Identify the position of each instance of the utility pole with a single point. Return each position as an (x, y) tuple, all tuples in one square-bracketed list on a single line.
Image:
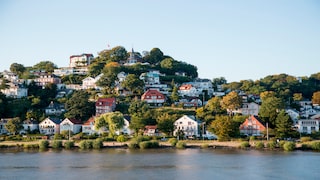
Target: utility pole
[(267, 132)]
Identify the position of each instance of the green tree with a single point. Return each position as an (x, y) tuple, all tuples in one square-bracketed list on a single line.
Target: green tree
[(14, 125), (118, 54), (166, 123), (224, 127), (79, 107), (174, 95), (283, 125), (269, 110), (316, 97), (154, 57), (231, 101), (133, 84), (109, 77), (210, 110), (17, 68), (113, 121), (297, 96), (3, 84), (3, 105), (48, 66)]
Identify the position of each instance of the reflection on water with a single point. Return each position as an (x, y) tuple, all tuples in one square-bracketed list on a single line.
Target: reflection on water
[(159, 164)]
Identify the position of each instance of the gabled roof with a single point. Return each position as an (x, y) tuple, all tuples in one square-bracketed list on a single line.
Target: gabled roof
[(74, 121), (185, 87), (152, 92), (54, 120), (257, 120), (89, 121)]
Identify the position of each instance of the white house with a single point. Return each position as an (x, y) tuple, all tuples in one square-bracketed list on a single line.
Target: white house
[(72, 125), (125, 129), (80, 60), (294, 115), (251, 108), (88, 126), (188, 90), (50, 126), (154, 97), (308, 125), (188, 125), (30, 125), (90, 82), (15, 90), (3, 123), (151, 77)]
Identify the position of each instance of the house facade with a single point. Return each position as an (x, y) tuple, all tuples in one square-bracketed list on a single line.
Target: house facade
[(15, 90), (126, 127), (55, 109), (308, 126), (251, 108), (252, 126), (189, 125), (30, 125), (3, 123), (90, 82), (50, 126), (81, 60), (72, 125), (45, 79), (151, 130), (88, 126), (105, 105), (153, 97)]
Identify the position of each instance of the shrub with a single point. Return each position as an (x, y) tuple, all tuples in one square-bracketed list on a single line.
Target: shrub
[(85, 144), (181, 145), (121, 138), (145, 144), (68, 144), (305, 139), (259, 145), (271, 144), (305, 147), (315, 146), (252, 138), (289, 146), (204, 146), (97, 144), (56, 144), (173, 141), (134, 144), (244, 145), (57, 137), (30, 146), (281, 144), (44, 144)]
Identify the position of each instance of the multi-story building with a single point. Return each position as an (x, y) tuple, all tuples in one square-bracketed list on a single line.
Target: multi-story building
[(82, 60)]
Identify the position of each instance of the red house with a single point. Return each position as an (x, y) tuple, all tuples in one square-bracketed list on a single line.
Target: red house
[(104, 105), (252, 126), (154, 97)]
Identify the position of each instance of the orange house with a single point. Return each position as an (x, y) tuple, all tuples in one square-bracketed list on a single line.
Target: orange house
[(252, 126)]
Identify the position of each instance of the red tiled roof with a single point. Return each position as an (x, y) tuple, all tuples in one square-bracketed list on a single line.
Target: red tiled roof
[(89, 121), (152, 92), (106, 102)]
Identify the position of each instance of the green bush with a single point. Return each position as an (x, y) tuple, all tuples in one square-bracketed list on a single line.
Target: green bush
[(259, 145), (289, 146), (305, 147), (244, 145), (30, 146), (271, 144), (204, 146), (181, 145), (56, 144), (68, 144), (252, 138), (281, 144), (134, 144), (57, 137), (97, 144), (173, 141), (44, 144), (85, 144), (305, 139), (315, 146), (121, 138)]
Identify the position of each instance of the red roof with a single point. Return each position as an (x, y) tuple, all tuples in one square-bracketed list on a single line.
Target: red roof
[(253, 120), (75, 121), (106, 102), (152, 93), (185, 87), (89, 121)]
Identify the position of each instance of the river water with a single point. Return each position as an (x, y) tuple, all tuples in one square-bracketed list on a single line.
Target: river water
[(159, 164)]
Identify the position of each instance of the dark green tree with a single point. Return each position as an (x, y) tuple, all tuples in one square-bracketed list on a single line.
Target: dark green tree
[(113, 121), (17, 68), (79, 107), (133, 84), (154, 57), (165, 123), (224, 127), (48, 66), (269, 110), (14, 125), (283, 125)]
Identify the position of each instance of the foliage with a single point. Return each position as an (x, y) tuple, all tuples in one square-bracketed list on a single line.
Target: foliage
[(231, 101), (14, 125), (259, 145), (79, 107), (148, 144), (154, 57), (97, 144), (133, 84), (244, 145), (283, 125), (56, 144), (30, 146), (211, 109), (224, 127), (68, 144), (269, 110), (289, 146), (44, 144), (86, 144), (271, 144), (173, 141), (316, 98), (17, 68), (204, 146), (315, 146), (72, 79), (121, 138), (165, 123), (181, 145), (113, 121), (48, 66)]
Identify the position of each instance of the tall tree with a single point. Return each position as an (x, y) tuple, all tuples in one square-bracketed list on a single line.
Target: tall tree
[(269, 110), (231, 101), (133, 84), (155, 56), (316, 97), (113, 121), (224, 127), (174, 95), (17, 68), (283, 125), (166, 123), (14, 125), (48, 66), (79, 107)]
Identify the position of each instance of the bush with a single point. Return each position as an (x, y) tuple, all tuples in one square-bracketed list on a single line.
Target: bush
[(68, 144), (173, 141), (56, 144), (134, 144), (181, 145), (121, 138), (271, 144), (30, 146), (281, 144), (305, 147), (305, 139), (97, 144), (85, 144), (259, 145), (44, 144), (244, 145), (57, 137), (315, 146), (252, 138), (204, 146), (289, 146)]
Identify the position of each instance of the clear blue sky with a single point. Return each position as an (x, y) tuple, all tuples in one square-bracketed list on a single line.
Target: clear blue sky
[(238, 40)]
